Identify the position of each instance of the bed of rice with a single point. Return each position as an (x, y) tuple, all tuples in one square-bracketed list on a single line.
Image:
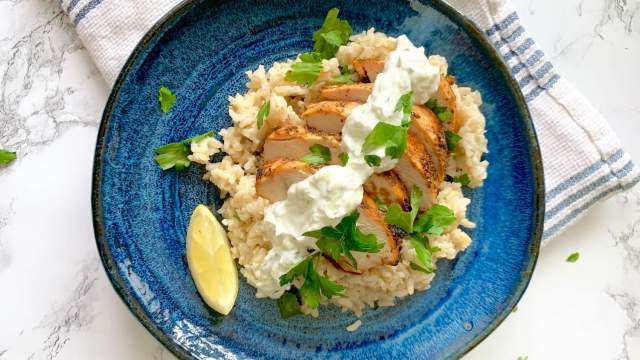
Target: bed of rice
[(243, 210)]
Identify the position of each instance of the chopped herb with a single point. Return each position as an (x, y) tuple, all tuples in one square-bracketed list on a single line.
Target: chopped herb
[(166, 99), (435, 220), (176, 154), (314, 283), (461, 179), (304, 73), (442, 112), (404, 104), (344, 158), (288, 305), (392, 137), (522, 358), (262, 113), (333, 33), (423, 254), (452, 139), (338, 242), (344, 78), (7, 156), (319, 155), (310, 57), (404, 219), (372, 160), (382, 206), (573, 257)]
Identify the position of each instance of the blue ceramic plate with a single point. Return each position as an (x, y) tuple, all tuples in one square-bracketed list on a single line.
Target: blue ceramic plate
[(201, 51)]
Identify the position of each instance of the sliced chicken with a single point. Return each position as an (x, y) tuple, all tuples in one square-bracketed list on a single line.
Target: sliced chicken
[(371, 221), (416, 168), (428, 129), (293, 142), (388, 188), (274, 177), (358, 92), (447, 98), (368, 69), (328, 116)]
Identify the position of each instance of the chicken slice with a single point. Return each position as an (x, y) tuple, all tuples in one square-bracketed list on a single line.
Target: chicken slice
[(274, 177), (328, 116), (447, 97), (416, 167), (428, 129), (368, 69), (371, 221), (388, 188), (358, 92), (293, 142)]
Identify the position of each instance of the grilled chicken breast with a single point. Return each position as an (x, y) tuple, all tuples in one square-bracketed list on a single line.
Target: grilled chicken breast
[(293, 142), (428, 129), (274, 177), (416, 168), (368, 69), (371, 221), (358, 92), (328, 116), (388, 187), (447, 97)]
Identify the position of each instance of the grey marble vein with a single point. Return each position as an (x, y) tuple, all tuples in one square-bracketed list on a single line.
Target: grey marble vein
[(631, 307), (5, 255), (620, 10)]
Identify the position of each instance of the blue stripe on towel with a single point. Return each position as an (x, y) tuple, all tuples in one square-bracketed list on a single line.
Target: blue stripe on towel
[(85, 11), (533, 94), (538, 75), (508, 21), (72, 6), (577, 211), (519, 50)]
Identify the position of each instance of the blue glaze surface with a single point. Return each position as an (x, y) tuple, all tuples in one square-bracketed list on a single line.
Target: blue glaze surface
[(201, 52)]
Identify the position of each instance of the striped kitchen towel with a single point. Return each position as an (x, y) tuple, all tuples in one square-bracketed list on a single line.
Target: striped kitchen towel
[(582, 157)]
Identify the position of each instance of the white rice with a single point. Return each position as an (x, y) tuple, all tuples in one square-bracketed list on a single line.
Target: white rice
[(243, 210)]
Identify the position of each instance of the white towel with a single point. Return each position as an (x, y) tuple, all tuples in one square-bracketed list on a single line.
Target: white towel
[(582, 158)]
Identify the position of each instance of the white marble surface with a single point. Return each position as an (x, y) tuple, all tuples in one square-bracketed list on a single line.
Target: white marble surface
[(56, 302)]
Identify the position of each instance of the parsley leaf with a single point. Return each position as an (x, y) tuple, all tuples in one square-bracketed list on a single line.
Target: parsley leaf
[(435, 220), (442, 112), (288, 305), (381, 205), (392, 137), (372, 160), (573, 257), (452, 139), (522, 358), (311, 57), (314, 283), (320, 155), (176, 154), (404, 219), (345, 237), (333, 33), (344, 77), (344, 158), (462, 179), (404, 104), (7, 156), (263, 112), (423, 254), (166, 99), (304, 73)]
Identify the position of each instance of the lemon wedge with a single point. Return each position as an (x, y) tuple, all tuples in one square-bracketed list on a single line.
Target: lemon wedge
[(209, 257)]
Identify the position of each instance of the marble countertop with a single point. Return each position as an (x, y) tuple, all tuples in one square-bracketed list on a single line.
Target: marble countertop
[(58, 304)]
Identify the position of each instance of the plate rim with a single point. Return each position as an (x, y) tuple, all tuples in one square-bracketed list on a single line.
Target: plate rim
[(164, 23)]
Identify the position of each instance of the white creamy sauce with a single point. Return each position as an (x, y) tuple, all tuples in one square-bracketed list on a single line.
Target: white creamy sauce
[(333, 192)]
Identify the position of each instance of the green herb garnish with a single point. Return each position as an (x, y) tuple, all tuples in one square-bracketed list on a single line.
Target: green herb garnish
[(262, 113), (452, 139), (573, 257), (522, 358), (442, 112), (392, 137), (304, 73), (166, 99), (338, 242), (319, 155), (382, 206), (435, 220), (333, 33), (7, 156), (343, 78), (404, 219), (372, 160), (314, 283), (288, 305), (424, 254), (404, 104), (344, 158), (461, 179), (176, 154)]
